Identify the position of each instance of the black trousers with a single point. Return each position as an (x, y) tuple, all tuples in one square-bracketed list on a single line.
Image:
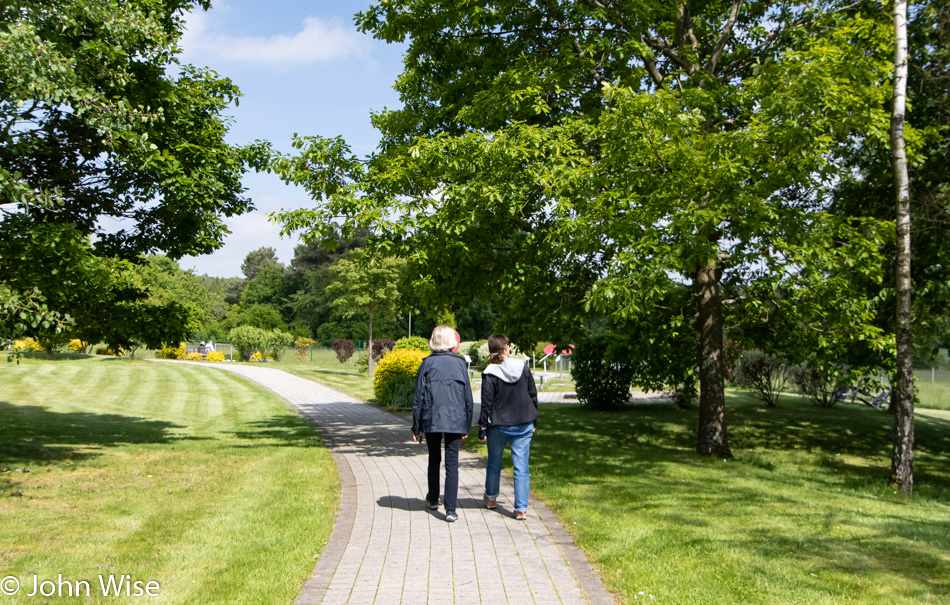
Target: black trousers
[(452, 443)]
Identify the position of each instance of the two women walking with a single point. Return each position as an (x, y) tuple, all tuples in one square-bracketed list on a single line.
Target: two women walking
[(442, 411)]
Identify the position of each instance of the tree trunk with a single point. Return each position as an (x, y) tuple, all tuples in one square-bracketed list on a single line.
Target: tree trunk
[(369, 349), (902, 458), (712, 439)]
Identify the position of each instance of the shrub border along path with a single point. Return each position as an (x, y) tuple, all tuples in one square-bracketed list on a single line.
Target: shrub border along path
[(387, 547)]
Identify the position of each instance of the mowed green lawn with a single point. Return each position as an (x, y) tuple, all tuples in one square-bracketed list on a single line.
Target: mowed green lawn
[(933, 395), (802, 513), (188, 476)]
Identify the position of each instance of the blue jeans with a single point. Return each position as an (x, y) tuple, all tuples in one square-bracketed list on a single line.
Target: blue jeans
[(519, 436)]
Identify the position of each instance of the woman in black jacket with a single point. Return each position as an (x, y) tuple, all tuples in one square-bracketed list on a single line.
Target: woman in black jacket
[(442, 409), (509, 415)]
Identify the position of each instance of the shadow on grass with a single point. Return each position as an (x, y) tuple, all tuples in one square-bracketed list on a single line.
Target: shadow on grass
[(41, 356), (32, 434), (350, 373), (286, 430), (798, 481)]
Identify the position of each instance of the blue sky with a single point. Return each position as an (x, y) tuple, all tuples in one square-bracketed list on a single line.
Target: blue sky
[(302, 67)]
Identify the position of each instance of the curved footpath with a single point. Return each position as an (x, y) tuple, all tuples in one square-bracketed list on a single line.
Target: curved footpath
[(386, 547)]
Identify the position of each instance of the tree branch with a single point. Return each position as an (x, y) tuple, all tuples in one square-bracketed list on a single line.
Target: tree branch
[(724, 37)]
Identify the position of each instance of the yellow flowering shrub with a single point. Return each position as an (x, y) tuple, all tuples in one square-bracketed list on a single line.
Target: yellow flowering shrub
[(394, 382), (172, 352), (75, 345), (195, 357), (27, 344), (257, 357), (215, 356)]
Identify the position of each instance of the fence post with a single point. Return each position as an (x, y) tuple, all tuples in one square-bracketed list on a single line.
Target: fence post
[(933, 374)]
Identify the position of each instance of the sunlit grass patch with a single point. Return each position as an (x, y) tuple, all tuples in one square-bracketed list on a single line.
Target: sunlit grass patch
[(802, 513), (185, 475)]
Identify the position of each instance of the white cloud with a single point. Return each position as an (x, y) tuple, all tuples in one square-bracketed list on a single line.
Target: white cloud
[(248, 232), (318, 41)]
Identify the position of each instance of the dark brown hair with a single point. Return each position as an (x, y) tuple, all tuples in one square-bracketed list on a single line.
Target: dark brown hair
[(496, 347)]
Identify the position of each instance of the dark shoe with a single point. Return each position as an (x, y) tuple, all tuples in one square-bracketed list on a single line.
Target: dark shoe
[(432, 505), (451, 517), (490, 503), (521, 515)]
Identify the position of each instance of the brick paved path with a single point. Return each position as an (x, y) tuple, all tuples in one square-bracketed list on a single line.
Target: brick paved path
[(386, 547)]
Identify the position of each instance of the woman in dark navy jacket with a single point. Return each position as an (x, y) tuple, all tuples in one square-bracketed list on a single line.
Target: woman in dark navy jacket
[(442, 409)]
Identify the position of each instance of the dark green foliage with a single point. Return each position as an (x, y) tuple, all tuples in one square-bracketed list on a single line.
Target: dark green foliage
[(397, 391), (603, 382), (475, 320), (270, 286), (868, 188), (167, 283), (105, 297), (257, 260), (22, 312)]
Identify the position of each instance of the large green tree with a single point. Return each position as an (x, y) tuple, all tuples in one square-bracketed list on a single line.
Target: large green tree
[(106, 298), (166, 282), (567, 157), (104, 130)]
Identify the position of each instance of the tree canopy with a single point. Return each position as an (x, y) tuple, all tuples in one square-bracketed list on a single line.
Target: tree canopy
[(100, 120), (569, 157)]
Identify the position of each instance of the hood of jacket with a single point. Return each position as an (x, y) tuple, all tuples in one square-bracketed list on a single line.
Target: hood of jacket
[(509, 370)]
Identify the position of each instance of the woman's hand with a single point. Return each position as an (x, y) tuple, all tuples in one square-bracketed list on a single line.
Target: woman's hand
[(417, 437)]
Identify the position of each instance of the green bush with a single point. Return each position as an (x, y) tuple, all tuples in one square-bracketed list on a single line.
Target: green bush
[(412, 343), (397, 392), (276, 342), (248, 340), (821, 384), (603, 383), (474, 351), (765, 375)]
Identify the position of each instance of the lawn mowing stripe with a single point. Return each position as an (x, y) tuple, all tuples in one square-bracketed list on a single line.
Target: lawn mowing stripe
[(248, 483)]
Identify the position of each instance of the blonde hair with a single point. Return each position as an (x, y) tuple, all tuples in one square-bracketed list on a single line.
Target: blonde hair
[(443, 339)]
